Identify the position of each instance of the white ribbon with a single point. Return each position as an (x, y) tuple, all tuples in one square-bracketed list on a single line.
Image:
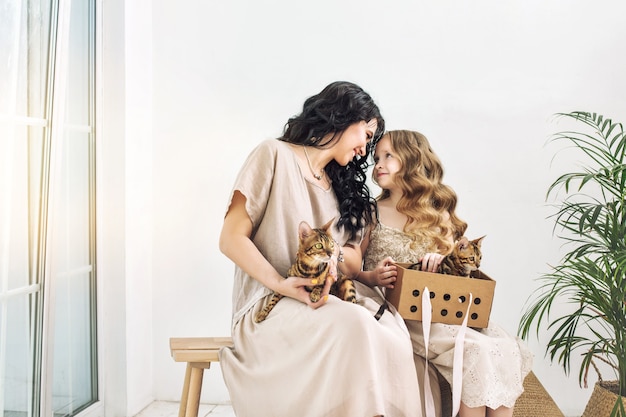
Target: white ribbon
[(457, 367), (427, 315)]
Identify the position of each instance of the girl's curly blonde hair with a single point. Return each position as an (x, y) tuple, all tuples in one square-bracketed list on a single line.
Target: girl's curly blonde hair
[(427, 202)]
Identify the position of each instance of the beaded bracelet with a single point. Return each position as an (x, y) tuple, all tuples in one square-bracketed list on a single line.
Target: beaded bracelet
[(340, 256)]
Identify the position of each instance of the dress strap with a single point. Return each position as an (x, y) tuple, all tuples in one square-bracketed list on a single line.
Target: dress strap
[(384, 306)]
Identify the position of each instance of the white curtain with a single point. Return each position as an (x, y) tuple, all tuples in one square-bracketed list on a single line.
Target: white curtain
[(47, 281)]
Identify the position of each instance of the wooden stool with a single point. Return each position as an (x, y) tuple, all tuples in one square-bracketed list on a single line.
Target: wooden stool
[(198, 352)]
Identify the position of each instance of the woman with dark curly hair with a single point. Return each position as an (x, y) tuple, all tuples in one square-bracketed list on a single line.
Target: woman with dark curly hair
[(328, 358), (418, 223)]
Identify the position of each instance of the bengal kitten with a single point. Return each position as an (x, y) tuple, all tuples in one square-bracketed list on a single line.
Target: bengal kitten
[(464, 259), (312, 261)]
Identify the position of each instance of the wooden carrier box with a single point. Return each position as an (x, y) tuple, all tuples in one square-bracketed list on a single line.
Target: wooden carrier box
[(449, 296)]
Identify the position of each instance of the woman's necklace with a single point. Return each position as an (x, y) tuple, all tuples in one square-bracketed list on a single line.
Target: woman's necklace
[(316, 176)]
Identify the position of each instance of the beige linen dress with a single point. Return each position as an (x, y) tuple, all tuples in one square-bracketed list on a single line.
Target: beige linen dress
[(494, 362), (334, 361)]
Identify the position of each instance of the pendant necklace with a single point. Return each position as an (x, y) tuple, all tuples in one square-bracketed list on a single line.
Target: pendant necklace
[(316, 176)]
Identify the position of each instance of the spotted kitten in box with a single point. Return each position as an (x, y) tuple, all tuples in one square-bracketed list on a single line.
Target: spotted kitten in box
[(464, 259)]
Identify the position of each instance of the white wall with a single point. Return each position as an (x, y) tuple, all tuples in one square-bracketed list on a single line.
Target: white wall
[(111, 219), (139, 203), (124, 211), (481, 79)]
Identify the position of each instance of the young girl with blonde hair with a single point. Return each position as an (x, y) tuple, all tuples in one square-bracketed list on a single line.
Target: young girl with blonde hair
[(417, 222)]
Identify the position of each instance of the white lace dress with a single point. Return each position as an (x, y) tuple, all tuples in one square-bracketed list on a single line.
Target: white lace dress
[(494, 362)]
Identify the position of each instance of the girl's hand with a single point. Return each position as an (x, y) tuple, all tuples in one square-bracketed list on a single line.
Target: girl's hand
[(385, 273), (431, 261)]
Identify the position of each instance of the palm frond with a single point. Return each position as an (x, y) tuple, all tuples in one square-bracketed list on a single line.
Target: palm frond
[(591, 276)]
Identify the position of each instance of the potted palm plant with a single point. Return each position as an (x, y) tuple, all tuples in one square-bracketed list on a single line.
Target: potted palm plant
[(589, 283)]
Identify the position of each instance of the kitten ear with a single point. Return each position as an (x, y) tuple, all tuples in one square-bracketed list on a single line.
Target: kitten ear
[(304, 229), (478, 241), (326, 227), (462, 243)]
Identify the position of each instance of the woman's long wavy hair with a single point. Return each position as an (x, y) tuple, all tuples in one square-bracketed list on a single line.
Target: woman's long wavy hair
[(426, 200), (332, 111)]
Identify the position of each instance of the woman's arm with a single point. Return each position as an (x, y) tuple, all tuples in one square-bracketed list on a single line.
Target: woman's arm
[(236, 244), (384, 275), (351, 264)]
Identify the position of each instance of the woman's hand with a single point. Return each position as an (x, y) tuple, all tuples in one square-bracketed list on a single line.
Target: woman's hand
[(431, 261), (294, 287)]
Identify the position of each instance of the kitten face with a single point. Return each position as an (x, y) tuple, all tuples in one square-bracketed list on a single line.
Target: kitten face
[(468, 253), (318, 244)]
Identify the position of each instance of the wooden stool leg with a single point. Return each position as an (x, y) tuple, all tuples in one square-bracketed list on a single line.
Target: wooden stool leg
[(183, 398), (198, 353), (195, 387)]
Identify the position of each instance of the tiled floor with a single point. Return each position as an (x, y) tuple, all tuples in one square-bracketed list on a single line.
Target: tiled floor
[(170, 409)]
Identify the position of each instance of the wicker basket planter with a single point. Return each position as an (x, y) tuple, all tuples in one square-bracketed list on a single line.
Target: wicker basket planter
[(603, 399), (535, 401)]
